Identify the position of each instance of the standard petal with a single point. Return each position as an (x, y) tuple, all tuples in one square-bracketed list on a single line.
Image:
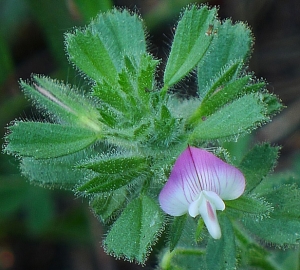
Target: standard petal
[(216, 175), (196, 170), (183, 186)]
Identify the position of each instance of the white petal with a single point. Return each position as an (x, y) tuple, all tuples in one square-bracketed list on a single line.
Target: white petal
[(194, 206), (214, 199), (208, 213), (206, 205)]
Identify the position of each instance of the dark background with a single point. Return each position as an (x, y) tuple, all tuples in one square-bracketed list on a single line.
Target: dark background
[(42, 229)]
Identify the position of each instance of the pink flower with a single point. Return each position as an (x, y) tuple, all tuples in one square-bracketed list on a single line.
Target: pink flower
[(198, 184)]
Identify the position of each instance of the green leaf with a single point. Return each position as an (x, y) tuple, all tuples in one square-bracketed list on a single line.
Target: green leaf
[(231, 43), (222, 96), (45, 140), (253, 207), (176, 230), (225, 75), (112, 97), (63, 103), (274, 105), (257, 163), (100, 50), (285, 200), (238, 117), (221, 253), (183, 258), (107, 206), (283, 226), (123, 35), (48, 172), (138, 227), (190, 43), (88, 52), (146, 79), (114, 171)]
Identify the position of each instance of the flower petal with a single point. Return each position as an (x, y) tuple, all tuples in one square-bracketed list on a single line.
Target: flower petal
[(207, 210), (216, 175), (196, 170)]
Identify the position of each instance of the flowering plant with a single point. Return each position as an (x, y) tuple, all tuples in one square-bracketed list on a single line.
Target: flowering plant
[(119, 142)]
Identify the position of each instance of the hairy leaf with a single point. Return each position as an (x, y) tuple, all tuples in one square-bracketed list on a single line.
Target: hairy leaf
[(221, 253), (48, 172), (142, 220), (45, 140), (230, 43), (238, 117), (176, 230), (62, 102), (190, 43), (106, 206), (114, 171), (257, 163), (254, 207)]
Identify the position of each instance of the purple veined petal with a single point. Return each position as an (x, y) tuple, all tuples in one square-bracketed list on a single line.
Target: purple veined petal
[(182, 187), (196, 170), (216, 175)]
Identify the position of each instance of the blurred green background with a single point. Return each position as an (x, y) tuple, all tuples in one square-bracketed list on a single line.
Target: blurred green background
[(52, 229)]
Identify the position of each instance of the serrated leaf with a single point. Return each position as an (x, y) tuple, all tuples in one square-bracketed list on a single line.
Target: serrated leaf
[(257, 163), (114, 172), (285, 200), (132, 235), (87, 51), (123, 34), (274, 105), (238, 117), (107, 183), (48, 172), (223, 89), (283, 225), (107, 206), (145, 78), (190, 43), (278, 230), (221, 253), (99, 50), (112, 97), (114, 164), (45, 140), (254, 207), (225, 75), (230, 43), (222, 96), (62, 102)]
